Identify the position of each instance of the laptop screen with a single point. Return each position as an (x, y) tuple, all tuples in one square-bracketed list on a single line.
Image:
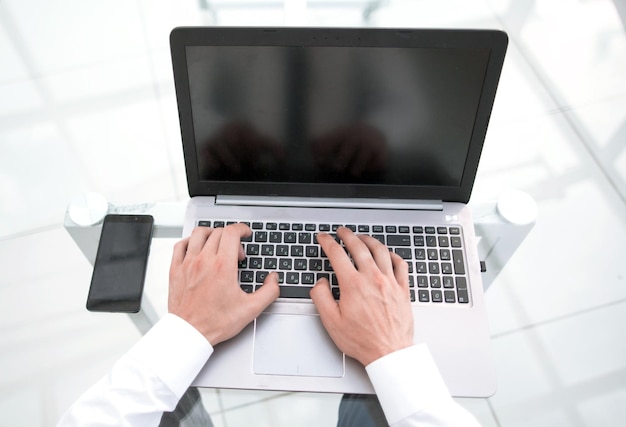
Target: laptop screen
[(355, 118)]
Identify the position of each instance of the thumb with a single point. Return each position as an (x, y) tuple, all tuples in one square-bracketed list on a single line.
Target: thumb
[(325, 302), (266, 294)]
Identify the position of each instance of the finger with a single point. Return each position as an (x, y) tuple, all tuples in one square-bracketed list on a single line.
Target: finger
[(180, 250), (379, 252), (230, 243), (213, 242), (198, 239), (336, 254), (359, 252), (400, 270), (325, 303), (264, 296)]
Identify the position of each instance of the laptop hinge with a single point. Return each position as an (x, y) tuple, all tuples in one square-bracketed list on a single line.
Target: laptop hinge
[(329, 202)]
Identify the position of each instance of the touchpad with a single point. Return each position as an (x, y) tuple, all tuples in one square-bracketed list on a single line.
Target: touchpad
[(295, 344)]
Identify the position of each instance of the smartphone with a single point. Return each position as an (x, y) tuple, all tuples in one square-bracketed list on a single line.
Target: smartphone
[(120, 267)]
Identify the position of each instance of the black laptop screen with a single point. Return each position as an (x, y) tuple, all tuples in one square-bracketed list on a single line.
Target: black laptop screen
[(361, 115), (331, 112)]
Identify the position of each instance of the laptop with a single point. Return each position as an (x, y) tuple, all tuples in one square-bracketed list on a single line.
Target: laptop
[(297, 131)]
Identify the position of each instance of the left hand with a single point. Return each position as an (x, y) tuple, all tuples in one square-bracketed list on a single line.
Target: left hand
[(204, 287)]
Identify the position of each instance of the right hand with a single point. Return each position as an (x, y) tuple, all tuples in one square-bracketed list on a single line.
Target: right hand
[(373, 317)]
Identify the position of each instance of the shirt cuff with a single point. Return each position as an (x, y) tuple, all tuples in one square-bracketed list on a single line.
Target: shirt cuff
[(407, 382), (174, 351)]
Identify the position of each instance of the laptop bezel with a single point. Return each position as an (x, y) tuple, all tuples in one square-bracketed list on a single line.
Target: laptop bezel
[(181, 37)]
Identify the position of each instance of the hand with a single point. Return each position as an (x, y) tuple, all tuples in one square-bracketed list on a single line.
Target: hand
[(204, 288), (373, 316)]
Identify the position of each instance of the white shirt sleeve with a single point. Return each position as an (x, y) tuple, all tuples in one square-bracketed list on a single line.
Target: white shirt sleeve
[(142, 384), (412, 392)]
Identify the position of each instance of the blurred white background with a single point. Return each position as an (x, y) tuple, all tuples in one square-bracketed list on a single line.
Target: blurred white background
[(87, 103)]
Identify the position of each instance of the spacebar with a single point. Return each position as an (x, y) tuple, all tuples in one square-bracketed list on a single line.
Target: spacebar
[(295, 291)]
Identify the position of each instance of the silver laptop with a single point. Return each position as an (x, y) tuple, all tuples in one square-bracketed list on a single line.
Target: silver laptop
[(300, 131)]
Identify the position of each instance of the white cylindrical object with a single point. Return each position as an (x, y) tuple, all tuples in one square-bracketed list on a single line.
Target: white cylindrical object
[(88, 209)]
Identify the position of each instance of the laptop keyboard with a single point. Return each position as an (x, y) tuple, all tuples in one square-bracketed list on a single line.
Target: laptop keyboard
[(435, 255)]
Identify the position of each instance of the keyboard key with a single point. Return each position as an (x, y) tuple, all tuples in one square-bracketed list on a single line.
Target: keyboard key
[(203, 223), (308, 278), (270, 263), (457, 259), (297, 251), (364, 228), (276, 237), (444, 254), (455, 242), (446, 268), (284, 226), (422, 281), (247, 276), (315, 265), (255, 263), (292, 278), (432, 254), (436, 295), (260, 236), (312, 251), (418, 229), (420, 267), (297, 227), (431, 241), (429, 230), (442, 230), (294, 291), (404, 229), (289, 237), (310, 227), (455, 230), (324, 227), (398, 240), (304, 238), (267, 250), (405, 253), (423, 295), (378, 228), (257, 226), (285, 263), (435, 281), (218, 224), (282, 250), (299, 264), (252, 249), (433, 267), (420, 254), (448, 282), (271, 226), (391, 229), (443, 241), (449, 296), (247, 288), (418, 240)]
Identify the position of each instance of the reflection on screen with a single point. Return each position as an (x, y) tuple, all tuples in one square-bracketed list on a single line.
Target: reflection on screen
[(400, 116)]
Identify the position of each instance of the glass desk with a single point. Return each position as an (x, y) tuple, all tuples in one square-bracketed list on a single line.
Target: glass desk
[(500, 225)]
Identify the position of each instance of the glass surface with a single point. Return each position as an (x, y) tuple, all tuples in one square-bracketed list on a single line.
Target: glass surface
[(400, 116)]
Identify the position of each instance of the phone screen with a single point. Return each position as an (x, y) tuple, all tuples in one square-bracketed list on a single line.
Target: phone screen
[(120, 267)]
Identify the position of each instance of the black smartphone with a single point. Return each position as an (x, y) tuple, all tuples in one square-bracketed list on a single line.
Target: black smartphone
[(120, 267)]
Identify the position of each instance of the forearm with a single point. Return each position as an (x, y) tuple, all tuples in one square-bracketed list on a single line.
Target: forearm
[(412, 392), (147, 381)]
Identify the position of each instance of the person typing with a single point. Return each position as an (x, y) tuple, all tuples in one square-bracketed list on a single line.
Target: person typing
[(371, 322)]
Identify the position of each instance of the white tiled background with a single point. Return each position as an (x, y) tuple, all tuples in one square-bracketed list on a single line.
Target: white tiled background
[(87, 103)]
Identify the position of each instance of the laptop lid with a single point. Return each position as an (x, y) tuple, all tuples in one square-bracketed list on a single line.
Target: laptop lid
[(345, 113)]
